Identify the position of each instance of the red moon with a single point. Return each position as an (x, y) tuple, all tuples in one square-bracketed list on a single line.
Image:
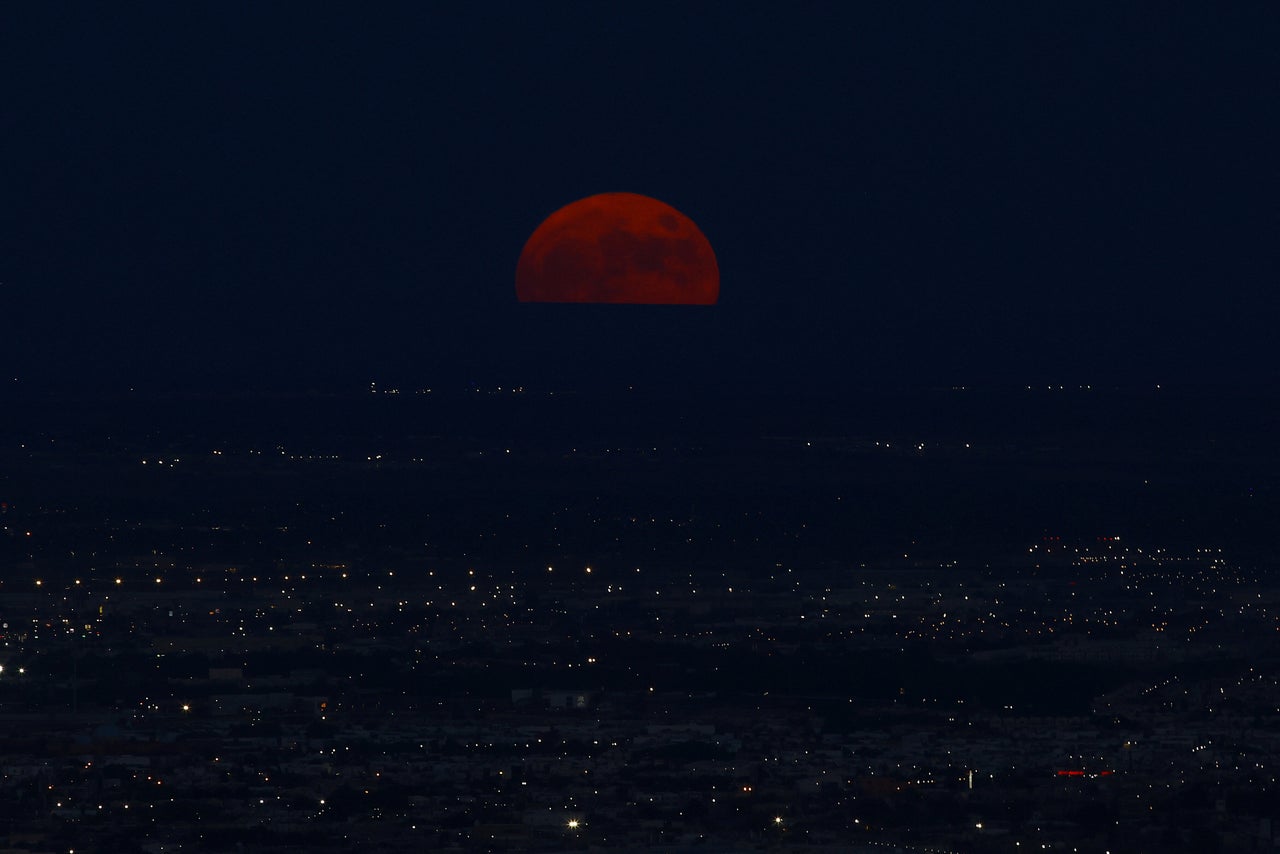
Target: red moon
[(618, 248)]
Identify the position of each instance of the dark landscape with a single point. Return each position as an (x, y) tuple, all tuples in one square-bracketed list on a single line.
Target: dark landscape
[(508, 619)]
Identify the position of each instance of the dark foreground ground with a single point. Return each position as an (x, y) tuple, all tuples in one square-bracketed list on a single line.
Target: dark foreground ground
[(510, 620)]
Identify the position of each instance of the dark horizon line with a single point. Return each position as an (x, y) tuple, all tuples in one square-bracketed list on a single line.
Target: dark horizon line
[(18, 389)]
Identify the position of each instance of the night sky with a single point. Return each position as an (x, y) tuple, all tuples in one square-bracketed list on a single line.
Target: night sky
[(304, 197)]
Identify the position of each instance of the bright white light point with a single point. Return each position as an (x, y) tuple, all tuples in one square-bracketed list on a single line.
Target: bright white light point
[(777, 819), (573, 824)]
